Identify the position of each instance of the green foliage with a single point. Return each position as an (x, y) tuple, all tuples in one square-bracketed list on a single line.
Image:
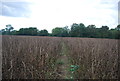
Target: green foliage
[(9, 27), (118, 27), (7, 30), (14, 32), (113, 33), (60, 32), (43, 33), (28, 31), (76, 30), (91, 31)]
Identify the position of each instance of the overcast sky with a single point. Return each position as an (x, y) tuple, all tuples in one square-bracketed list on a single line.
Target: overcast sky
[(48, 14)]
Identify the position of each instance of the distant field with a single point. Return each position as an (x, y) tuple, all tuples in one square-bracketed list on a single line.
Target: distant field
[(35, 57)]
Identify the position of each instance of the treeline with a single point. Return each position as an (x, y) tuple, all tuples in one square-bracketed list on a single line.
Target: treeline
[(76, 30)]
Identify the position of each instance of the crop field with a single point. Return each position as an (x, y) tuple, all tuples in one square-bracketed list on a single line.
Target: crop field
[(35, 57)]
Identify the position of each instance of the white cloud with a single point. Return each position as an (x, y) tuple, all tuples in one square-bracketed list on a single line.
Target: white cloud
[(47, 14)]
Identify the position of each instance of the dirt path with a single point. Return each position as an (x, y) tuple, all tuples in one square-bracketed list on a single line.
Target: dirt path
[(64, 64)]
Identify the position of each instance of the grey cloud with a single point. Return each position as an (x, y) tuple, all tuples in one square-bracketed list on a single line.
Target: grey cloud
[(15, 9)]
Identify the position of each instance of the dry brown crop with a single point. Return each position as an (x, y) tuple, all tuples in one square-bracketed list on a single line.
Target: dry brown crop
[(97, 58), (34, 57), (27, 57)]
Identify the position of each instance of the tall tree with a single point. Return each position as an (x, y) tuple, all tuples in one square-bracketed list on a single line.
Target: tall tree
[(91, 31), (8, 29), (28, 31), (82, 30), (75, 30), (60, 32), (43, 32), (104, 31)]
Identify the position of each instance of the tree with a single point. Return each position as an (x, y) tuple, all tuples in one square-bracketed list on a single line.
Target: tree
[(118, 27), (57, 31), (28, 31), (65, 32), (118, 31), (91, 31), (75, 30), (91, 26), (82, 30), (2, 31), (43, 32), (8, 29), (60, 32), (33, 30), (113, 33), (15, 32), (78, 30), (104, 30)]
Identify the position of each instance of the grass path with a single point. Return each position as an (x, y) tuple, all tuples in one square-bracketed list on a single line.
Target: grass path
[(64, 63)]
